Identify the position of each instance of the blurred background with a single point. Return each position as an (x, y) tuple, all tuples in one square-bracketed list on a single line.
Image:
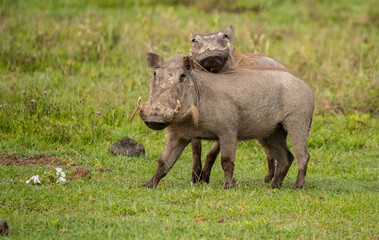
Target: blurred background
[(89, 56), (71, 72)]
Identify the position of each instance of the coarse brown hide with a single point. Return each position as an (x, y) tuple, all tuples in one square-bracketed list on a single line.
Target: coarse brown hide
[(266, 106), (214, 52)]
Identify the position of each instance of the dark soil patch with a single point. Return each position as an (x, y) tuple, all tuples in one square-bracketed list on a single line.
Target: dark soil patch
[(4, 230), (79, 173), (128, 147), (102, 170), (255, 9), (13, 160)]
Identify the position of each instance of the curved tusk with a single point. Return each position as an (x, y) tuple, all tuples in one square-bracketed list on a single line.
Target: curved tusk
[(134, 113), (228, 45), (139, 106), (139, 103), (177, 106)]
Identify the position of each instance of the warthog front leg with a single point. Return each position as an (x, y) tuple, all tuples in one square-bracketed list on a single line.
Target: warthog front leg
[(171, 153), (228, 146), (196, 155)]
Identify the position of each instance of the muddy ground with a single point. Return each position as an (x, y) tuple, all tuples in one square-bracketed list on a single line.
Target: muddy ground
[(13, 160), (77, 173)]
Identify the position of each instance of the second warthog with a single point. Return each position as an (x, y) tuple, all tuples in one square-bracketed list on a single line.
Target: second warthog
[(266, 105), (215, 53)]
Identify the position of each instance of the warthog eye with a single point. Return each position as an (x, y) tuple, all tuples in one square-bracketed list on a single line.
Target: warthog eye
[(193, 40), (182, 76), (226, 36), (155, 73)]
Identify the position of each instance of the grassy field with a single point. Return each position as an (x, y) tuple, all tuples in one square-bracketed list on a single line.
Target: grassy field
[(70, 75)]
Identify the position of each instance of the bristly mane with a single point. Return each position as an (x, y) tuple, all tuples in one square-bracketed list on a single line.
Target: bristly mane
[(197, 88), (205, 34), (245, 63)]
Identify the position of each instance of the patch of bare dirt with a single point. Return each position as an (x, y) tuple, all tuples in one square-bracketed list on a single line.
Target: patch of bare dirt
[(13, 160), (4, 230), (102, 170), (79, 173)]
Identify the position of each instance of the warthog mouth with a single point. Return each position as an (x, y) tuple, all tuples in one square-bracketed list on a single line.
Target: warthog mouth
[(157, 121), (156, 125), (212, 61)]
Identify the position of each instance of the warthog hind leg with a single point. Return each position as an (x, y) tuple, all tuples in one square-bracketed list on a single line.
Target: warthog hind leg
[(298, 133), (209, 161), (270, 162), (276, 146), (271, 169)]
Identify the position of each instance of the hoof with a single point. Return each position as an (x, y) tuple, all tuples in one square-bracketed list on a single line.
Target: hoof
[(268, 178), (204, 177), (148, 184), (298, 187), (300, 184), (276, 185), (195, 179), (230, 185)]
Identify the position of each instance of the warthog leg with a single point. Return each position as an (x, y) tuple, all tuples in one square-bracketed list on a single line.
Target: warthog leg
[(271, 169), (228, 144), (212, 156), (196, 155), (276, 146), (270, 163), (171, 153), (298, 132), (209, 161)]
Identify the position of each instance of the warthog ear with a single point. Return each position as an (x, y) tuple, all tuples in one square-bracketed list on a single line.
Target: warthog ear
[(153, 60), (192, 36), (188, 62), (230, 32)]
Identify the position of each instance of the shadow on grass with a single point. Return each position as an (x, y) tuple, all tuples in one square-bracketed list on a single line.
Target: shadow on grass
[(342, 185), (321, 184)]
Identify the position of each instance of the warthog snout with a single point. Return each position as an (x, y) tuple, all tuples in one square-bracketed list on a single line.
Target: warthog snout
[(158, 116), (155, 123), (213, 61)]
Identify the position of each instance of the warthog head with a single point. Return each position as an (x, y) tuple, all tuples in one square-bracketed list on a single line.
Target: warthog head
[(212, 50), (172, 92)]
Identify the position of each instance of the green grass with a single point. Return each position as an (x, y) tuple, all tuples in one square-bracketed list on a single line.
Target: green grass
[(89, 57)]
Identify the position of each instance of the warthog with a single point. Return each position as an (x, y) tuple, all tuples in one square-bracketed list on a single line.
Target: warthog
[(192, 104), (215, 53)]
